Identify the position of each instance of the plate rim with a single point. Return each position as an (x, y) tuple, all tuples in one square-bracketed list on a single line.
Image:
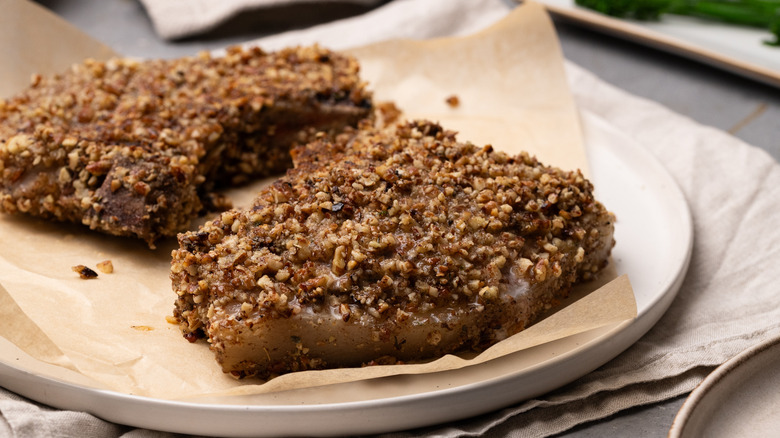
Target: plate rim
[(626, 333), (632, 31), (711, 381)]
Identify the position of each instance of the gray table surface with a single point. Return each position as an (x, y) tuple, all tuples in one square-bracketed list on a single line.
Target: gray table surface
[(747, 109)]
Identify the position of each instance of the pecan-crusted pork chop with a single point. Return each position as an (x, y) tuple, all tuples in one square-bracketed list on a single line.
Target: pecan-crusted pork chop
[(135, 148), (402, 244)]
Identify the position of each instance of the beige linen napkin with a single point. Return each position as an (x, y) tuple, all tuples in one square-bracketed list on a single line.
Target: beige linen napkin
[(728, 302), (182, 18)]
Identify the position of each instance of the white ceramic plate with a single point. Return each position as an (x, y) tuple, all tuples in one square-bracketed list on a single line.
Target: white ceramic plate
[(737, 49), (739, 398), (654, 235)]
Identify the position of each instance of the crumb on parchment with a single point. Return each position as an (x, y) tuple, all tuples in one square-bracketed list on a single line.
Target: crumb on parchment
[(106, 267), (84, 272), (453, 101)]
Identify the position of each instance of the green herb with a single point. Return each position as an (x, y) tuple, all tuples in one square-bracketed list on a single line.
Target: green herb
[(756, 13)]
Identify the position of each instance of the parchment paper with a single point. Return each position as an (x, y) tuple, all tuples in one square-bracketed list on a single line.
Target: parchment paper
[(510, 83), (34, 40)]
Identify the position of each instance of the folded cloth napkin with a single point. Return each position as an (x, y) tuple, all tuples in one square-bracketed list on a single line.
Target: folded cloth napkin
[(728, 302), (174, 19)]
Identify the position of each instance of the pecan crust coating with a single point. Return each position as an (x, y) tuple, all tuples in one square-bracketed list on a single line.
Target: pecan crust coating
[(137, 148), (399, 243)]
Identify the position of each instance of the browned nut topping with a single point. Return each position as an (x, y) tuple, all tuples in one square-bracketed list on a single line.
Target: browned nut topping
[(138, 148), (401, 242), (453, 101)]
